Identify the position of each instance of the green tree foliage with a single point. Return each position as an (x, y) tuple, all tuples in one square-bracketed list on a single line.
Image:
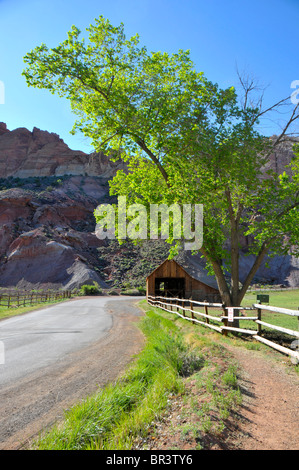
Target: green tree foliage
[(184, 139)]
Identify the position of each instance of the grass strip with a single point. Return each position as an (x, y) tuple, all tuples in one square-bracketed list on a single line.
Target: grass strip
[(118, 413)]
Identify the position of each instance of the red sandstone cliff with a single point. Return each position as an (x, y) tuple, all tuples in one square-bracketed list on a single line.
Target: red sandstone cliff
[(47, 228), (47, 224), (26, 154)]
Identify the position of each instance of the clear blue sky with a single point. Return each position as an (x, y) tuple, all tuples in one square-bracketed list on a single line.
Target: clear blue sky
[(258, 36)]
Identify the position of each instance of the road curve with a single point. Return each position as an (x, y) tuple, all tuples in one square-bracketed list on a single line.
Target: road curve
[(58, 355)]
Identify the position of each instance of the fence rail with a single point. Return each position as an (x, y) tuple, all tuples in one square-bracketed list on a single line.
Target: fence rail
[(228, 320), (13, 300), (270, 289)]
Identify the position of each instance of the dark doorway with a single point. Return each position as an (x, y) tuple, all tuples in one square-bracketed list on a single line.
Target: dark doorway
[(170, 287)]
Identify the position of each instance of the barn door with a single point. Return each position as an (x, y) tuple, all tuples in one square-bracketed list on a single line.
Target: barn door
[(170, 287)]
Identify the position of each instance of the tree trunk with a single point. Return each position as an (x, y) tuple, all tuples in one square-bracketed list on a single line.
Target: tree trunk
[(234, 264), (235, 254), (221, 282), (258, 261)]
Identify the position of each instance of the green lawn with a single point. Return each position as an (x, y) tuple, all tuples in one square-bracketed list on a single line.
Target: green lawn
[(284, 298)]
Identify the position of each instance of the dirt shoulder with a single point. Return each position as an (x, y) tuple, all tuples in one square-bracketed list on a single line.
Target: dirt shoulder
[(268, 418), (41, 398)]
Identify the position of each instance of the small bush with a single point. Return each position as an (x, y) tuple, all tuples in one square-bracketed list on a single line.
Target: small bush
[(112, 292), (130, 292), (87, 289), (230, 377)]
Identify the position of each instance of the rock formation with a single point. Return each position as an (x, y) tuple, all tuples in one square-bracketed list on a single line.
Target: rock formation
[(281, 157), (48, 194), (26, 154), (47, 239)]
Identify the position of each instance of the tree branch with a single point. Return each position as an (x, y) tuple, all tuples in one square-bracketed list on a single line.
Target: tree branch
[(153, 157)]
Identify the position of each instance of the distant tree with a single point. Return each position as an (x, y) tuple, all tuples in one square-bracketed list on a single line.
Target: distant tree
[(185, 140)]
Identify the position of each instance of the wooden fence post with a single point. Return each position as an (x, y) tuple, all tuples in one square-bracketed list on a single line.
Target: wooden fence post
[(206, 312), (192, 312), (225, 321), (259, 317)]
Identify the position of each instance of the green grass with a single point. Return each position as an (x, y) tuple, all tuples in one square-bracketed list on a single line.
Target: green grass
[(284, 298), (212, 397), (120, 412)]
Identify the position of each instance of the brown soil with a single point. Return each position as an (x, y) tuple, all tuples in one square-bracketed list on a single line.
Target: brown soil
[(41, 399), (268, 418), (270, 414)]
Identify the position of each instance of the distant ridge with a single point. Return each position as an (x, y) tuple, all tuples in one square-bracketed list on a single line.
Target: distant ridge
[(26, 154)]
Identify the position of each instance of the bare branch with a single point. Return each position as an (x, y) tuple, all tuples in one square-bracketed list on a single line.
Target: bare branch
[(249, 85)]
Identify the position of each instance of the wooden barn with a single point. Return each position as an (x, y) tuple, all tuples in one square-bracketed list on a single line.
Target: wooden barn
[(171, 279)]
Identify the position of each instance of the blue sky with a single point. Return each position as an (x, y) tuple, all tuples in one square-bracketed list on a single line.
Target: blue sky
[(260, 37)]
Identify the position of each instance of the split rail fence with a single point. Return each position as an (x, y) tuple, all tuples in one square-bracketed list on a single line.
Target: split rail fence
[(12, 300), (227, 319)]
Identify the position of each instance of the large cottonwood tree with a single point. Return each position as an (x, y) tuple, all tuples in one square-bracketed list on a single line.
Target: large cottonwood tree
[(185, 140)]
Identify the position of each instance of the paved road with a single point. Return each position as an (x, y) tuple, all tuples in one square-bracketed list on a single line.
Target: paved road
[(42, 337), (57, 355)]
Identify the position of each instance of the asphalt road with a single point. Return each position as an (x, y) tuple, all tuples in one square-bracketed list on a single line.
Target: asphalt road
[(56, 356), (39, 338)]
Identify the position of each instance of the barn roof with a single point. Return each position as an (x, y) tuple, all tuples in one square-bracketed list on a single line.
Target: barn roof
[(194, 267)]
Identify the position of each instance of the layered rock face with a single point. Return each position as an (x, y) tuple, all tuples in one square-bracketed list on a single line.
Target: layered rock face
[(47, 239), (47, 224), (281, 158), (47, 199), (26, 154)]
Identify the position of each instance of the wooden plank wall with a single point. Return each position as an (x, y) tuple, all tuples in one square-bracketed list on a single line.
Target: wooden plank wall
[(171, 269)]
